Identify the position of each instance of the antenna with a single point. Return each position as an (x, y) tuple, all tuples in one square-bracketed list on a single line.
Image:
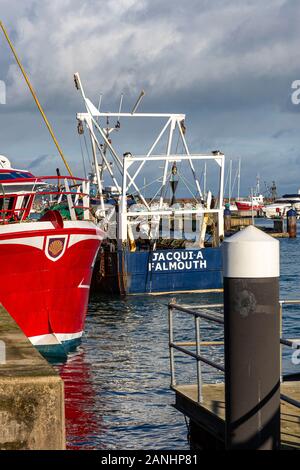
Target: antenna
[(239, 178), (117, 126), (100, 101), (142, 94), (99, 105)]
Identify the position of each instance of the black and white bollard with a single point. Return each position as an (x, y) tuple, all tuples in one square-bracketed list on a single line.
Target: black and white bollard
[(252, 340), (292, 223)]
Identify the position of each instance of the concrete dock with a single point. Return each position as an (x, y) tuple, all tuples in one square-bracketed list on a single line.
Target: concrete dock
[(208, 418), (31, 394)]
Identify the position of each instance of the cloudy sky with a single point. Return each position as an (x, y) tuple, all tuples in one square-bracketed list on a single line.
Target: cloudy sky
[(227, 64)]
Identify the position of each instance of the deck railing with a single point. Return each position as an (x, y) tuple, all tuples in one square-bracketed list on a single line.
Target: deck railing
[(207, 313), (16, 206)]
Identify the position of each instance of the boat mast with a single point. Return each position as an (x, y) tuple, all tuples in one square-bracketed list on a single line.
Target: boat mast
[(239, 180), (89, 122), (204, 181), (230, 182), (257, 184), (36, 99)]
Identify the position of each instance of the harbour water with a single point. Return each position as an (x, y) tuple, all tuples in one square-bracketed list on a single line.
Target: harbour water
[(117, 384)]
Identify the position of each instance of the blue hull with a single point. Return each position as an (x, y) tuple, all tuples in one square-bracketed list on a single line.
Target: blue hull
[(160, 271), (59, 351)]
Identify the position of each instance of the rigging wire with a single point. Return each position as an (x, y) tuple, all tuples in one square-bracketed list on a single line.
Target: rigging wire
[(187, 186), (149, 184), (82, 157), (159, 189), (87, 151)]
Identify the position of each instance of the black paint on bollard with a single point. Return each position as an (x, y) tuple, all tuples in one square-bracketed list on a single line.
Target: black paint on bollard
[(252, 340), (292, 223)]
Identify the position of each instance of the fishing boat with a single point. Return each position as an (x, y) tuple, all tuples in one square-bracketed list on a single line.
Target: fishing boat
[(255, 202), (48, 246), (46, 263), (155, 242)]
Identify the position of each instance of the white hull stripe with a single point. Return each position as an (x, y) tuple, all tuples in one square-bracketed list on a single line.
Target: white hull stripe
[(54, 338), (78, 238), (83, 286), (38, 241), (46, 225)]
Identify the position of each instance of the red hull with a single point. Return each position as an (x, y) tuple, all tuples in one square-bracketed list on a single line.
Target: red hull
[(45, 277), (247, 206)]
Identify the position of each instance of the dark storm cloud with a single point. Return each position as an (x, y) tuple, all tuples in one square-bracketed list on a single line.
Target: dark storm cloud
[(228, 64), (37, 162)]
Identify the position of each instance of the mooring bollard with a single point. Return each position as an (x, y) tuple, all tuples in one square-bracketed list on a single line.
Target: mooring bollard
[(292, 223), (252, 340), (278, 225), (227, 219)]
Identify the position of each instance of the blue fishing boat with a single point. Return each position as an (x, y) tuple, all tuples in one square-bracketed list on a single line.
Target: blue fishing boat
[(163, 227)]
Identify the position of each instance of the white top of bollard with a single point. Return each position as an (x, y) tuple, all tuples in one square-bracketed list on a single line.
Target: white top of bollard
[(251, 253)]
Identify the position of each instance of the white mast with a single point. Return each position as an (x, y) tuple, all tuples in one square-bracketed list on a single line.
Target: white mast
[(239, 179), (230, 180)]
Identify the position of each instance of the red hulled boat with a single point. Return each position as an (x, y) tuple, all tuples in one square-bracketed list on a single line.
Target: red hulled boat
[(254, 203), (46, 257)]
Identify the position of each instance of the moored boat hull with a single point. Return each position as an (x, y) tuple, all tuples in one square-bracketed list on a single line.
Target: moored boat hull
[(45, 279), (158, 272), (247, 206)]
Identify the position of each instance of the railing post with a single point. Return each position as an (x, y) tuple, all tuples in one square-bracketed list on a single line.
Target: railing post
[(252, 340), (171, 340), (199, 374), (280, 319), (70, 201)]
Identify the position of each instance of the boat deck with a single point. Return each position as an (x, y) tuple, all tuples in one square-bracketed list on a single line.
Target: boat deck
[(210, 413)]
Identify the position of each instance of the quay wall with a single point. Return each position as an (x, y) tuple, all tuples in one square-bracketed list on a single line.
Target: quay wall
[(31, 394)]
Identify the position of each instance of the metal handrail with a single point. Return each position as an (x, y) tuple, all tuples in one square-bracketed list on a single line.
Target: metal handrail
[(198, 357), (290, 400), (219, 319)]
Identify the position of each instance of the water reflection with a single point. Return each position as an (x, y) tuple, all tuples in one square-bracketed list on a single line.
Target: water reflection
[(82, 425), (117, 385)]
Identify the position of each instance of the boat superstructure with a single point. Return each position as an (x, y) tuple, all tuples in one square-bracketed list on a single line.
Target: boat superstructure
[(282, 205), (144, 251), (46, 261)]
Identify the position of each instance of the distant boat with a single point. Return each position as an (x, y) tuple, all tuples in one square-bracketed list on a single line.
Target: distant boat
[(282, 205), (255, 203)]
